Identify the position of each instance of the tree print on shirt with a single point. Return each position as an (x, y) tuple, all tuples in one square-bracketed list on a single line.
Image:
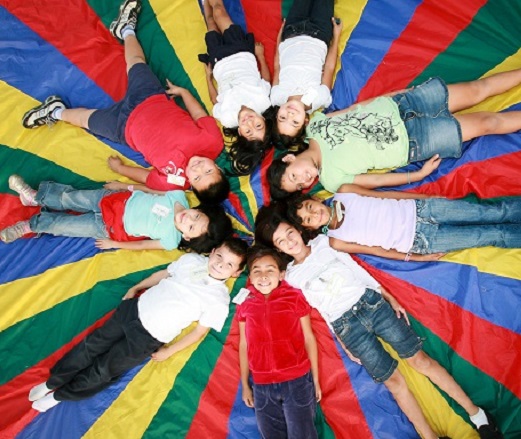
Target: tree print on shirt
[(374, 128)]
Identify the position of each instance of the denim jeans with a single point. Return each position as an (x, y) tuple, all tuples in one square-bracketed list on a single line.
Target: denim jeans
[(373, 317), (310, 17), (447, 225), (431, 127), (110, 122), (61, 197), (286, 410)]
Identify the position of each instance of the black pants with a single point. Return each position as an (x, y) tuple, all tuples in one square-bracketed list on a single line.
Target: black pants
[(103, 356), (310, 17)]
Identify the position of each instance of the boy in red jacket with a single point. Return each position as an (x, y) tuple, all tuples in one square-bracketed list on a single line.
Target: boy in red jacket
[(278, 346)]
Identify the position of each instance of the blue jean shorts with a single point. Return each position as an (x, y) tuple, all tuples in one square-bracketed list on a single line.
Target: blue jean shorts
[(431, 127), (373, 317), (110, 122)]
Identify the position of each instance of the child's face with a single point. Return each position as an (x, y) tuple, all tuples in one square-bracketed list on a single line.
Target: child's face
[(288, 240), (202, 172), (223, 263), (291, 117), (313, 214), (300, 173), (265, 274), (191, 223), (251, 124)]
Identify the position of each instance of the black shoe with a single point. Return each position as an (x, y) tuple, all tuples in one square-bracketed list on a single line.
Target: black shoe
[(204, 58), (490, 430), (42, 114), (128, 13)]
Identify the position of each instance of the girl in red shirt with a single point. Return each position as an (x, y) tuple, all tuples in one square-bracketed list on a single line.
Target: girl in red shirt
[(278, 347)]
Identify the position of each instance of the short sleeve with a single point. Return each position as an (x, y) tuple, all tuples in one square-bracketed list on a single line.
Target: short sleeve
[(158, 177), (239, 314), (214, 316), (209, 124), (302, 307), (266, 87), (277, 95), (322, 98), (227, 116)]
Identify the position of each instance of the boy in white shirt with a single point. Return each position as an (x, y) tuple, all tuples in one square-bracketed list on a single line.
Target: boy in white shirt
[(189, 289)]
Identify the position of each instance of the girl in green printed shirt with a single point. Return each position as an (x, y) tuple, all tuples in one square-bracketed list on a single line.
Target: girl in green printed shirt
[(391, 131)]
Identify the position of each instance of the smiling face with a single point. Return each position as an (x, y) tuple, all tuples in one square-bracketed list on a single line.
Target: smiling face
[(265, 274), (300, 174), (288, 240), (223, 263), (252, 125), (202, 172), (291, 117), (191, 223), (313, 214)]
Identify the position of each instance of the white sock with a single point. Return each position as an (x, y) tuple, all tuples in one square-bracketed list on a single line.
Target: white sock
[(57, 113), (39, 391), (127, 31), (479, 419), (45, 403)]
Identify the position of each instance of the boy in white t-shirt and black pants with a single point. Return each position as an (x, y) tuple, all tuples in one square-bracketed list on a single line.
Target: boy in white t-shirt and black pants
[(189, 289)]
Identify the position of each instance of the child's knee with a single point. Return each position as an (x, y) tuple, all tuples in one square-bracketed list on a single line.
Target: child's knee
[(421, 362), (396, 382)]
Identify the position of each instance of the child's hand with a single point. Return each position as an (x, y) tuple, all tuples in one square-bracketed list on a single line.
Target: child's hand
[(398, 309), (430, 166), (247, 396), (259, 49), (105, 244), (130, 293), (427, 258), (318, 391), (337, 27), (115, 163), (161, 354), (173, 90), (115, 186)]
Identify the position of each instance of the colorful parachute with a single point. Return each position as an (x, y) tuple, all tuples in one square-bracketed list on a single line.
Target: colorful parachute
[(55, 290)]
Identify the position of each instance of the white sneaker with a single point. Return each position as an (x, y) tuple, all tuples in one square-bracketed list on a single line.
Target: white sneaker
[(12, 233), (26, 192)]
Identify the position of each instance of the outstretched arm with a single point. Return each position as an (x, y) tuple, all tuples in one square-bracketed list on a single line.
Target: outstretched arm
[(192, 105), (349, 247), (146, 244), (332, 54), (133, 172), (247, 394), (189, 339), (276, 60), (311, 349), (371, 181), (396, 195), (119, 186), (212, 91), (259, 54), (150, 281)]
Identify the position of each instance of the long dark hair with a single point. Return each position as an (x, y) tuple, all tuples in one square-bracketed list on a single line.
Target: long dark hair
[(246, 154)]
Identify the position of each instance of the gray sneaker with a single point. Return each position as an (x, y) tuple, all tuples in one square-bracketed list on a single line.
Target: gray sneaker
[(26, 192), (12, 233), (42, 114), (128, 13)]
